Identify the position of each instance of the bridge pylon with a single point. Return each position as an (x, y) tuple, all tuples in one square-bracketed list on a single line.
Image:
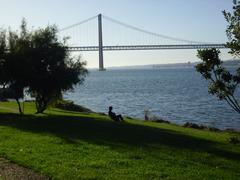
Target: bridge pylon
[(100, 45)]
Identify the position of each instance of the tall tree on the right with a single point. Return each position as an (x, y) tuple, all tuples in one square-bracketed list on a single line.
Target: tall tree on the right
[(223, 83)]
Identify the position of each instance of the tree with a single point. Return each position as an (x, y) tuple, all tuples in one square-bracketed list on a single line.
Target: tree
[(12, 66), (233, 31), (39, 61), (3, 71), (223, 83), (6, 88), (18, 65), (3, 49), (53, 70)]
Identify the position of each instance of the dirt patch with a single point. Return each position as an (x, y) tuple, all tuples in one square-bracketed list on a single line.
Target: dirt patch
[(11, 171)]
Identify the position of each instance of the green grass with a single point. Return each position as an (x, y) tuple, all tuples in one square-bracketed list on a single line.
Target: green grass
[(70, 145)]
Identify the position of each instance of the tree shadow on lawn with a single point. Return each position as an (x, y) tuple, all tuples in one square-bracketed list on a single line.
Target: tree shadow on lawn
[(113, 134)]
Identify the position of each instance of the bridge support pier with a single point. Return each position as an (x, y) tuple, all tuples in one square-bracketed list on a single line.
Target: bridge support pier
[(100, 45)]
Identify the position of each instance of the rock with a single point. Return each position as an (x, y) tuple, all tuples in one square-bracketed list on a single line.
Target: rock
[(213, 129), (192, 125), (196, 126), (161, 121)]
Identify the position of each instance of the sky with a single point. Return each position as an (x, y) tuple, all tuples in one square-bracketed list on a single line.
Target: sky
[(198, 20)]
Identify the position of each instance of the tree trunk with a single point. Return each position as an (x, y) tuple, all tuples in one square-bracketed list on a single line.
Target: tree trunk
[(41, 104), (19, 106)]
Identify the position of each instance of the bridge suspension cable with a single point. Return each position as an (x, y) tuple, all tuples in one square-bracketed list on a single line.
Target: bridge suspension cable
[(77, 24), (152, 33)]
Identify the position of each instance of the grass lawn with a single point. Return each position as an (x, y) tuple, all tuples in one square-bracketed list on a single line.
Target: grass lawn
[(70, 145)]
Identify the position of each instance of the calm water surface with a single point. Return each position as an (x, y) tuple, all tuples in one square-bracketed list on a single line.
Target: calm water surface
[(177, 95)]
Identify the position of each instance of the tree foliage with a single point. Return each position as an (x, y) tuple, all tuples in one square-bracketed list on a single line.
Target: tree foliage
[(13, 68), (54, 71), (233, 30), (3, 49), (39, 61), (223, 83)]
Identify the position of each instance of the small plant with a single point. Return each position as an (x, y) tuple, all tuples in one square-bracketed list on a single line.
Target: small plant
[(147, 114)]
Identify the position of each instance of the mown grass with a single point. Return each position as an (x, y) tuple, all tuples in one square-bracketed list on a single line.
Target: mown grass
[(70, 145)]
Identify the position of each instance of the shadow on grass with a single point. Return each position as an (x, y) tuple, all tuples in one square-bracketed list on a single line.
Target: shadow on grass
[(73, 128)]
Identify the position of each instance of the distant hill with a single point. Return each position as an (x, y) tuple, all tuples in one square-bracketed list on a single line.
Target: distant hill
[(232, 63), (228, 63)]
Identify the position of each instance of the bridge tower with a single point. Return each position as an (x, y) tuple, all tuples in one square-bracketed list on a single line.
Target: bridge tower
[(100, 41)]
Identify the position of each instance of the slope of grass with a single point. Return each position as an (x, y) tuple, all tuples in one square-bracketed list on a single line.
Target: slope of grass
[(70, 145)]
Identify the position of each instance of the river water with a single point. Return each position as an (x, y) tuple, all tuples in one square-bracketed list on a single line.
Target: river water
[(178, 95)]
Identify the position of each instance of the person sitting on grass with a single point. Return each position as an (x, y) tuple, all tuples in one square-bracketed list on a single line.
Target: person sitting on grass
[(113, 115)]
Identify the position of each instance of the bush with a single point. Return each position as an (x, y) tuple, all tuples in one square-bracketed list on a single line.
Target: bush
[(234, 140), (70, 106)]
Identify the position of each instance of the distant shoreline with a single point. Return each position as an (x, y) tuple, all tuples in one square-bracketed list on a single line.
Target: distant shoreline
[(227, 63)]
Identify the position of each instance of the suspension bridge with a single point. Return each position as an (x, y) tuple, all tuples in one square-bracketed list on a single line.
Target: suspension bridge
[(176, 43)]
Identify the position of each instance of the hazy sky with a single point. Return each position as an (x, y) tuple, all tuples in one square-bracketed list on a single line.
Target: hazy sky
[(199, 20)]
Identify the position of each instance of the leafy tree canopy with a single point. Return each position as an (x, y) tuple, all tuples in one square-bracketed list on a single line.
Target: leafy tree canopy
[(39, 61), (223, 83)]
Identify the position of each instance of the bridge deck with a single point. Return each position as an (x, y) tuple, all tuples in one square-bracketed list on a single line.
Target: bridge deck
[(146, 47)]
